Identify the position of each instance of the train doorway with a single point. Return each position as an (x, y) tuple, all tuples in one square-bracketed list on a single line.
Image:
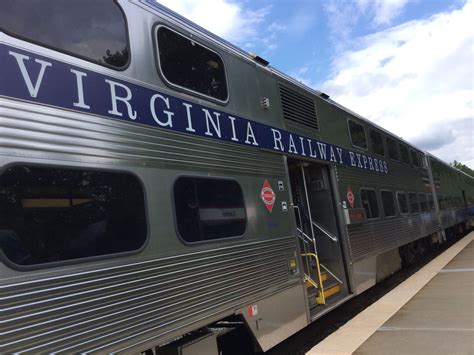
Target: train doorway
[(316, 222)]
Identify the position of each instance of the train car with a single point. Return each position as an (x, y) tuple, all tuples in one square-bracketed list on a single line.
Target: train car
[(163, 191), (455, 194)]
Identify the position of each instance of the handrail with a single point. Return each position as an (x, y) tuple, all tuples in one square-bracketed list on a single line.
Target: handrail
[(320, 299), (304, 235), (330, 273), (311, 281), (334, 239)]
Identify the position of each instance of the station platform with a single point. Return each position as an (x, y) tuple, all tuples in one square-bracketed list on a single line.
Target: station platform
[(432, 312)]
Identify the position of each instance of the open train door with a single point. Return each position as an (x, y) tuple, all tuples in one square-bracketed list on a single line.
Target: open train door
[(315, 213)]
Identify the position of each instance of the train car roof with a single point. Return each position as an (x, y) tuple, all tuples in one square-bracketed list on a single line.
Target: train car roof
[(447, 165)]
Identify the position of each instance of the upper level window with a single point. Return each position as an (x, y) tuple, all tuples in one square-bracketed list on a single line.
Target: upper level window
[(423, 160), (404, 154), (414, 158), (190, 65), (392, 148), (402, 202), (57, 214), (90, 29), (413, 200), (208, 209), (388, 203), (357, 134), (376, 142), (369, 203)]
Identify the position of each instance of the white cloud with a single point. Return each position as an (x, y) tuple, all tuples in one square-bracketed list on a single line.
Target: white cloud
[(343, 15), (416, 80), (228, 19), (382, 11)]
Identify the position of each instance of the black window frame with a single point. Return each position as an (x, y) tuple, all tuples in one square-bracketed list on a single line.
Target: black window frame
[(440, 201), (423, 202), (366, 148), (403, 147), (395, 145), (415, 162), (376, 199), (172, 85), (406, 201), (374, 131), (78, 55), (417, 203), (394, 203), (206, 241), (431, 204), (88, 259)]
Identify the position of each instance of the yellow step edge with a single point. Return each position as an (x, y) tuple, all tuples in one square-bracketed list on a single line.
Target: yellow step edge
[(331, 291)]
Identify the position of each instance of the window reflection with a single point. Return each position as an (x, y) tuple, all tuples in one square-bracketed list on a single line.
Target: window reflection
[(95, 30)]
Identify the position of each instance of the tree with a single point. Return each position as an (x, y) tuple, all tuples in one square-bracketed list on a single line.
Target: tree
[(462, 167)]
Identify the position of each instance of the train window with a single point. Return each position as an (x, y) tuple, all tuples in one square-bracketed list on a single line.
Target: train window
[(423, 202), (414, 158), (447, 202), (376, 142), (357, 134), (56, 214), (189, 65), (388, 203), (404, 155), (392, 148), (431, 202), (369, 203), (402, 202), (413, 201), (440, 202), (423, 161), (90, 29), (208, 209)]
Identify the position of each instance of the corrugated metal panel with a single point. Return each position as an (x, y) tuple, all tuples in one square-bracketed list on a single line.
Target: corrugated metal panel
[(39, 131), (103, 310), (450, 218), (373, 238), (399, 177), (298, 108)]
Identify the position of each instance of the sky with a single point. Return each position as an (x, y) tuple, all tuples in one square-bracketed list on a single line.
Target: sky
[(406, 65)]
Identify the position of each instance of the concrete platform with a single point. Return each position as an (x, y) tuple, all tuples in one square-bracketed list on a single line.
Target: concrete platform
[(432, 312)]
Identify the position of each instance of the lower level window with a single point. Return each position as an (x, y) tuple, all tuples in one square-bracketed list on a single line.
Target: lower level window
[(402, 202), (413, 201), (431, 202), (388, 203), (50, 214), (423, 202), (208, 209), (369, 203)]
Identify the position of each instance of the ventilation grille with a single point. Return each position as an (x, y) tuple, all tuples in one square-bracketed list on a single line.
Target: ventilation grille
[(298, 108)]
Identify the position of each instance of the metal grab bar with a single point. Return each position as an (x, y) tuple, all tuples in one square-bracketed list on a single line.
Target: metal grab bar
[(304, 235), (320, 299), (330, 273), (334, 239)]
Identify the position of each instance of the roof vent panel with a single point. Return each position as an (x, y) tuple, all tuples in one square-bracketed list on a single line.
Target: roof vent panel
[(298, 108)]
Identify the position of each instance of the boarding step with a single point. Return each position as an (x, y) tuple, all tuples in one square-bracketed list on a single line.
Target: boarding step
[(331, 290), (330, 287)]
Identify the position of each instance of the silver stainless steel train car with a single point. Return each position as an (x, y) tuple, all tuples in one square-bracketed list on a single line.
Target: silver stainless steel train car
[(162, 189)]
